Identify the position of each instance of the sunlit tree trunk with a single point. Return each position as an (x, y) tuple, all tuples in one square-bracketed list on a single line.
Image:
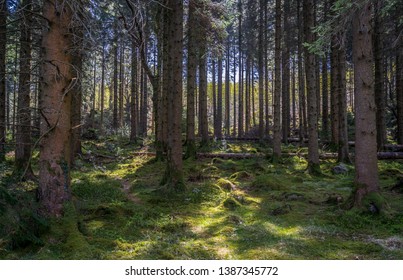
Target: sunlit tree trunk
[(54, 175)]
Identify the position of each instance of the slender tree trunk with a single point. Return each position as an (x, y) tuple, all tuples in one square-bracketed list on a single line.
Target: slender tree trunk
[(227, 90), (261, 70), (301, 78), (115, 124), (133, 99), (366, 177), (191, 82), (54, 175), (247, 94), (293, 99), (234, 95), (286, 74), (3, 44), (203, 94), (334, 100), (121, 83), (219, 99), (325, 100), (214, 93), (266, 71), (313, 146), (343, 155), (23, 135), (240, 82), (399, 93), (101, 124), (380, 93), (277, 85)]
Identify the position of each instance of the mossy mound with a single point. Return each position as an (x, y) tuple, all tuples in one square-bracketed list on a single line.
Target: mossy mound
[(225, 184), (268, 182), (240, 175), (231, 203)]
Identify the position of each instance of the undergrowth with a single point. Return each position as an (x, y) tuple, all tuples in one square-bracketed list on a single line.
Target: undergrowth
[(232, 209)]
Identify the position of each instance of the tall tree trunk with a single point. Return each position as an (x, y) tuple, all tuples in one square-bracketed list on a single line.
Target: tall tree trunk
[(191, 82), (240, 81), (115, 121), (203, 94), (325, 100), (23, 135), (214, 94), (121, 83), (313, 146), (101, 122), (366, 177), (133, 99), (286, 74), (261, 70), (334, 100), (399, 92), (277, 85), (380, 93), (174, 22), (343, 155), (227, 89), (301, 77), (3, 44), (54, 175), (219, 99)]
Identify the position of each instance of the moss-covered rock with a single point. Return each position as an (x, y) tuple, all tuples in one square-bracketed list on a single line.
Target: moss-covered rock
[(240, 175), (231, 203)]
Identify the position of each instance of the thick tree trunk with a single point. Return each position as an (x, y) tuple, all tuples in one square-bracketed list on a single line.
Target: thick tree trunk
[(214, 94), (54, 175), (174, 22), (121, 83), (3, 43), (23, 135), (277, 85), (313, 147), (366, 177)]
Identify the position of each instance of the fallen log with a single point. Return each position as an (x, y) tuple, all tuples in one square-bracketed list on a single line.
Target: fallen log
[(381, 155)]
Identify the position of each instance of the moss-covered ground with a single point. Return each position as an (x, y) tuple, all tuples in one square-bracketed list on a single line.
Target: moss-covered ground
[(232, 209)]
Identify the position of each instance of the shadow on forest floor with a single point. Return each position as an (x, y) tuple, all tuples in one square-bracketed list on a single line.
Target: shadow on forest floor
[(232, 209)]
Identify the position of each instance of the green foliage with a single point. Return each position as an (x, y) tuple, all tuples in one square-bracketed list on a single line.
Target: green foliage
[(268, 182)]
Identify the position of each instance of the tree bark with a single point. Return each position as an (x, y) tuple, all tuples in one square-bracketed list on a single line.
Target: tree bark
[(380, 93), (261, 70), (286, 74), (313, 147), (174, 22), (191, 82), (3, 44), (277, 85), (203, 93), (134, 93), (23, 134), (54, 175), (366, 177), (219, 99)]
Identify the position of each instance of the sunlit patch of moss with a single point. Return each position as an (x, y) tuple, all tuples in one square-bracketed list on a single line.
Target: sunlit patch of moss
[(268, 182)]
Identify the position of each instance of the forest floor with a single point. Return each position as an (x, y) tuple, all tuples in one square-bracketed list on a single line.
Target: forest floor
[(232, 209)]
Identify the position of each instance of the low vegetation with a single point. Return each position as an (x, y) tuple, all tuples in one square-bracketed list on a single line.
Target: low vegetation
[(231, 209)]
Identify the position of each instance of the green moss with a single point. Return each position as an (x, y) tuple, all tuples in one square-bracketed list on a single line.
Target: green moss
[(231, 203), (240, 175), (268, 182), (225, 184), (374, 198)]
